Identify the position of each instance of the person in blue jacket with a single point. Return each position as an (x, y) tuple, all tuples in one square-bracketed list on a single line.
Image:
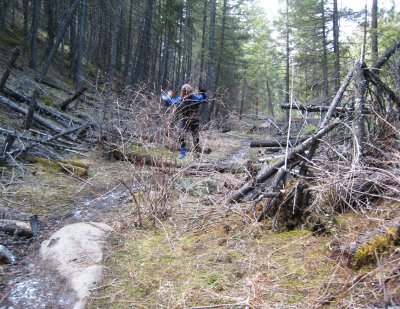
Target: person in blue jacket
[(188, 109)]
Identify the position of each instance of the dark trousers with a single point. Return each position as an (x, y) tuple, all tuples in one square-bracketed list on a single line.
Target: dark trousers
[(189, 125)]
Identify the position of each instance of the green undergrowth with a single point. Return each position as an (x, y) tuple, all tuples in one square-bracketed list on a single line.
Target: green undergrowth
[(233, 263)]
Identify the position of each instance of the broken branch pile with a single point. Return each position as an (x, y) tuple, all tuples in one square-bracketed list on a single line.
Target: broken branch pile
[(357, 145)]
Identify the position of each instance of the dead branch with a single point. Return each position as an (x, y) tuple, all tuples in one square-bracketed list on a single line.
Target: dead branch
[(64, 119), (385, 57), (31, 110), (338, 97), (6, 148), (63, 106), (272, 169), (383, 87), (310, 108), (10, 66), (20, 136), (40, 120), (276, 143)]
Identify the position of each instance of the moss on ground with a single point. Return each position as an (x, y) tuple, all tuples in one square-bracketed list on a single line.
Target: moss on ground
[(378, 244)]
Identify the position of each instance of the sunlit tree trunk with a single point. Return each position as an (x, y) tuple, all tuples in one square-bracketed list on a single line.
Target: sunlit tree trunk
[(335, 18)]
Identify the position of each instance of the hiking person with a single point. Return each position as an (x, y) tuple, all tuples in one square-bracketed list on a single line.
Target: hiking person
[(188, 107)]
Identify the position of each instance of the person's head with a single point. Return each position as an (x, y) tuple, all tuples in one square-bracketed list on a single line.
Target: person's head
[(186, 90), (171, 93)]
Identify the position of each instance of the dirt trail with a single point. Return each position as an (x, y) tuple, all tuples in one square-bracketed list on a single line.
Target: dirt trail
[(64, 263)]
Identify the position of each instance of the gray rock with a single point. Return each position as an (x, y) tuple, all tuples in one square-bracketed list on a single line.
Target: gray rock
[(203, 187), (6, 256)]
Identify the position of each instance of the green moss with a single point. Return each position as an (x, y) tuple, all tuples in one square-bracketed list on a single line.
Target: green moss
[(379, 243), (308, 129), (147, 151), (48, 101), (61, 166)]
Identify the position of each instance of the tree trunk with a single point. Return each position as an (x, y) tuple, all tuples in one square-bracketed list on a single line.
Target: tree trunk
[(272, 169), (4, 6), (79, 59), (63, 28), (219, 60), (325, 57), (63, 106), (374, 30), (34, 31), (203, 43), (9, 68), (358, 121), (49, 7), (114, 42), (244, 88), (336, 50), (31, 110), (142, 62), (287, 62)]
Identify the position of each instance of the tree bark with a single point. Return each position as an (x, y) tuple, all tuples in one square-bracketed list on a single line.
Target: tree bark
[(34, 31), (31, 110), (38, 119), (358, 120), (63, 106), (114, 41), (63, 28), (9, 68), (6, 148), (336, 46), (81, 32), (272, 169)]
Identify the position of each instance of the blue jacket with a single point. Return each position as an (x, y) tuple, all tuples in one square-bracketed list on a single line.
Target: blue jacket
[(195, 99)]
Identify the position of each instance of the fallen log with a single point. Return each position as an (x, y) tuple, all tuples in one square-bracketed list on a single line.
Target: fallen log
[(63, 106), (40, 120), (272, 169), (277, 143), (318, 108), (6, 148), (63, 119), (385, 57), (10, 65), (363, 251), (16, 228), (20, 136), (382, 86)]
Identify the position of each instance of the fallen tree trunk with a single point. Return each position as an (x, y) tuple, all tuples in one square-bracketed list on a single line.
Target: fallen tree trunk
[(63, 106), (41, 108), (10, 65), (40, 120), (272, 169), (16, 228), (276, 143), (318, 108), (47, 142), (385, 57), (363, 251), (382, 86)]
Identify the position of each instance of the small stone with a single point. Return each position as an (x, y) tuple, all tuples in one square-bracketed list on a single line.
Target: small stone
[(6, 257)]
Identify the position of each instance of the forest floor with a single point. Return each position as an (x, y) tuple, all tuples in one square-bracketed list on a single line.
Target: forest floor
[(196, 251), (189, 248)]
